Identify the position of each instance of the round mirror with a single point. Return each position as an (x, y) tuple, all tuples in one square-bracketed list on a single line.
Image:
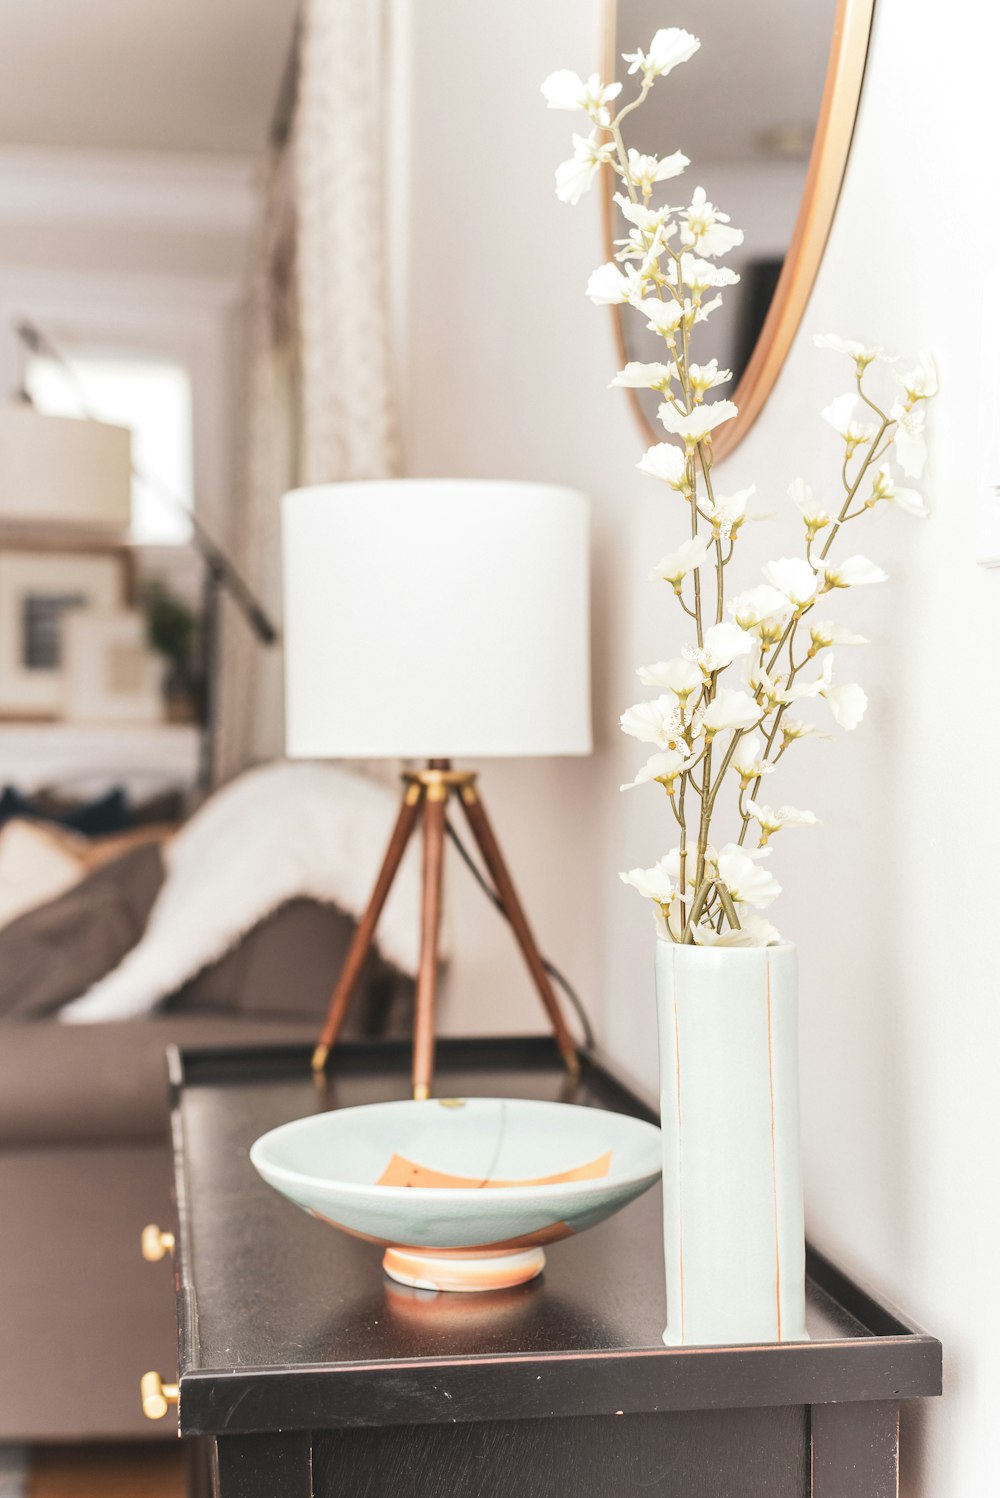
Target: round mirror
[(765, 112)]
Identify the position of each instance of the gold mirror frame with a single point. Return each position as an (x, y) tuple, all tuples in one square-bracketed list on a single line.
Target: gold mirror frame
[(824, 178)]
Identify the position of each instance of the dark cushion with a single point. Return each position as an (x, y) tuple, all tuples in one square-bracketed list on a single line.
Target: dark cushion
[(55, 952), (106, 813), (165, 806), (64, 1083), (287, 965)]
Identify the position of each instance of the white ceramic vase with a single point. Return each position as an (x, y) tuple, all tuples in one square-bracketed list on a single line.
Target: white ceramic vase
[(734, 1242)]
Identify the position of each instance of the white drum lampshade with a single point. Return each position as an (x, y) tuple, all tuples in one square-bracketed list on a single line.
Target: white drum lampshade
[(58, 470), (436, 619)]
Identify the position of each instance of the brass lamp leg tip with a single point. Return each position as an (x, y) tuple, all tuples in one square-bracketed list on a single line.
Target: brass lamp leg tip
[(319, 1058), (572, 1061), (421, 1092)]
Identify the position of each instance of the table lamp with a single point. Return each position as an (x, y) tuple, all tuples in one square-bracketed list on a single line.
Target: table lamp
[(55, 470), (433, 620)]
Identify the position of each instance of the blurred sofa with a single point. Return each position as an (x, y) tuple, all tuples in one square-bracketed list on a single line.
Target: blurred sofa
[(84, 1155)]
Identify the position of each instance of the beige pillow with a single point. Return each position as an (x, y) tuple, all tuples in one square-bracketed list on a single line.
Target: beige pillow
[(36, 865)]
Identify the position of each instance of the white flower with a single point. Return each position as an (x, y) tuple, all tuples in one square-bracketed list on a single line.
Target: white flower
[(861, 355), (823, 633), (701, 275), (748, 759), (643, 171), (846, 703), (609, 285), (574, 177), (637, 376), (885, 487), (638, 244), (658, 723), (761, 605), (754, 931), (696, 425), (809, 507), (921, 382), (852, 572), (698, 313), (664, 767), (772, 820), (677, 564), (730, 709), (795, 728), (704, 376), (677, 675), (670, 46), (653, 884), (664, 317), (665, 461), (794, 577), (840, 415), (650, 266), (769, 692), (645, 218), (566, 90), (745, 880), (911, 445), (729, 511), (724, 643), (706, 230), (799, 690)]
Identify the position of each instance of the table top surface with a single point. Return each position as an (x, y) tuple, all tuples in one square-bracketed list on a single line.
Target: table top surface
[(274, 1304)]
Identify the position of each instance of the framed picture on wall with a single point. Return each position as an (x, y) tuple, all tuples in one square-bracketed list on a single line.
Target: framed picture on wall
[(40, 588), (112, 676)]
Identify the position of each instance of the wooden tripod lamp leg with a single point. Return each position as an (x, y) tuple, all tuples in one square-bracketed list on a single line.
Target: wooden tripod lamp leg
[(435, 808), (363, 936), (490, 849)]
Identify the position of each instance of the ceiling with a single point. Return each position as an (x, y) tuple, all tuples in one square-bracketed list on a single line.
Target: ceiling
[(142, 75)]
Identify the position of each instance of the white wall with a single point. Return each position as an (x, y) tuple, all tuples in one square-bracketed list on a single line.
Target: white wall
[(900, 1020), (506, 378), (891, 901)]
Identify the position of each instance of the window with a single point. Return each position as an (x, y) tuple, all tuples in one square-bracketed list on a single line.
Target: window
[(153, 398)]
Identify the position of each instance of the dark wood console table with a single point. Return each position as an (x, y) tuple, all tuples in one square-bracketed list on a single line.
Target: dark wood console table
[(307, 1374)]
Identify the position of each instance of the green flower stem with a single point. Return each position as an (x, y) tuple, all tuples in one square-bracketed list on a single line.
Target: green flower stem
[(727, 905), (720, 582), (712, 901), (705, 818), (701, 895), (872, 455)]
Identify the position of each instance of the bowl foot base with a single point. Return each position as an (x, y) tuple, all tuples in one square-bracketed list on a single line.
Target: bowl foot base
[(455, 1271)]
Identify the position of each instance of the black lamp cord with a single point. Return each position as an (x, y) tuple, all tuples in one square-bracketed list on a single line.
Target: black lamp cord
[(550, 968)]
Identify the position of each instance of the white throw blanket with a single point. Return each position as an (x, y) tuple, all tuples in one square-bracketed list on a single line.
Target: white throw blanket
[(275, 833)]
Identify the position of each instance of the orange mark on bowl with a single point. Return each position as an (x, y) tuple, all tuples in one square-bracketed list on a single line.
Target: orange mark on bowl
[(403, 1172)]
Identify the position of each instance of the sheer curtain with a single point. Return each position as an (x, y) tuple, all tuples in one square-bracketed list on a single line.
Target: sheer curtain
[(320, 404)]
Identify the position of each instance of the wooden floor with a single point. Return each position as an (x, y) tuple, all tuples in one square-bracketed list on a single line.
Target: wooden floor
[(139, 1471)]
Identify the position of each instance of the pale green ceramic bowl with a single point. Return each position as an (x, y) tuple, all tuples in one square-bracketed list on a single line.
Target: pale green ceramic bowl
[(461, 1192)]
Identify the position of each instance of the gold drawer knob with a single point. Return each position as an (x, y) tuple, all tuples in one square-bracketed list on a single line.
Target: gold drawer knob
[(155, 1243), (157, 1397)]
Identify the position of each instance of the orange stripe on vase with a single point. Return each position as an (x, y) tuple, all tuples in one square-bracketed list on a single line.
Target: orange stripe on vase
[(774, 1168), (680, 1167)]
